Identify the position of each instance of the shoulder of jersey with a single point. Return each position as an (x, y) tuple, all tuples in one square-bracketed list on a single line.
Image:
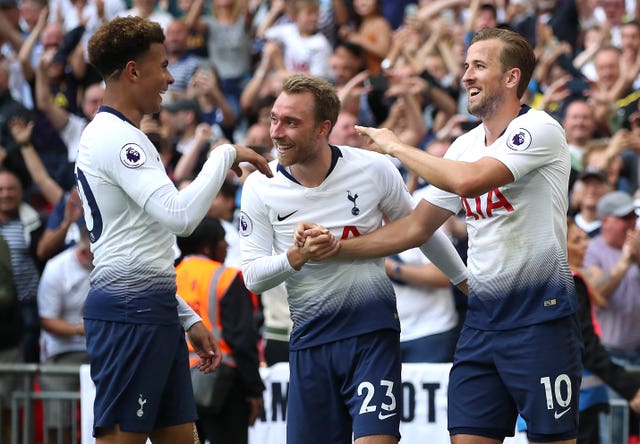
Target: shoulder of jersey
[(349, 152), (258, 176)]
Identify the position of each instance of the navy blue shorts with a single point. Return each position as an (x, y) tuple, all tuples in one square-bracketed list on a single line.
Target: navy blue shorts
[(535, 370), (344, 387), (141, 374)]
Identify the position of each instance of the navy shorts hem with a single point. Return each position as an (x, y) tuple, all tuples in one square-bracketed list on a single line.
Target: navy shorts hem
[(536, 437), (500, 435)]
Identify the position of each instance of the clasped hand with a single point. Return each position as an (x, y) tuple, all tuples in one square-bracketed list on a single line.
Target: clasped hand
[(315, 241)]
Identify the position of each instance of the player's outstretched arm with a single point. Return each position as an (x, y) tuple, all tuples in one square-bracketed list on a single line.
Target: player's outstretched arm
[(402, 234), (244, 154), (466, 179), (206, 346)]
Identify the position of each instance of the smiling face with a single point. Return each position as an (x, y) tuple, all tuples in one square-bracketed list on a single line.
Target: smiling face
[(484, 78), (294, 132), (153, 78), (579, 123)]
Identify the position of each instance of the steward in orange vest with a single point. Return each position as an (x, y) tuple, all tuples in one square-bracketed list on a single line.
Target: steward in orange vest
[(219, 296)]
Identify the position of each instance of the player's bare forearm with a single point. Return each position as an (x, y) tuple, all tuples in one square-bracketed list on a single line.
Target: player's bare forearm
[(400, 235), (244, 154), (465, 179), (206, 346)]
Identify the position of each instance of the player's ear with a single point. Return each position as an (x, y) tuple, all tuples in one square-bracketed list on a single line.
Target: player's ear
[(130, 69), (324, 128), (513, 77)]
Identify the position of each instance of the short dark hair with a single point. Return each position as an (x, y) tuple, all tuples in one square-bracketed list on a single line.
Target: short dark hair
[(121, 40), (516, 53), (207, 234), (326, 101)]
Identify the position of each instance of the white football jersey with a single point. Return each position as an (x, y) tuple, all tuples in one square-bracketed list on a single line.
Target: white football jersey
[(334, 299), (117, 170), (517, 257)]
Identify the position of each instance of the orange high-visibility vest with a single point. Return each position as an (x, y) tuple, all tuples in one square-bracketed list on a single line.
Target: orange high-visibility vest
[(202, 282)]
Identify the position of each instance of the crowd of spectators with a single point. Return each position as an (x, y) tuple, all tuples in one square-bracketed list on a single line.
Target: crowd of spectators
[(395, 63)]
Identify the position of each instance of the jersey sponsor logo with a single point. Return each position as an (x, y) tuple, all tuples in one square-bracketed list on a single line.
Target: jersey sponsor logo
[(558, 415), (349, 231), (286, 216), (246, 224), (132, 155), (519, 139), (484, 206)]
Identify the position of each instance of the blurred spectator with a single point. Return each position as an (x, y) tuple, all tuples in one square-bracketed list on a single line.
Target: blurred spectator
[(258, 137), (182, 64), (65, 220), (159, 136), (405, 113), (67, 123), (216, 110), (197, 42), (630, 46), (150, 10), (10, 43), (371, 31), (64, 225), (482, 14), (618, 157), (29, 13), (612, 13), (277, 325), (344, 132), (60, 73), (613, 258), (62, 291), (21, 132), (352, 81), (598, 366), (89, 13), (426, 308), (10, 330), (591, 186), (182, 117), (279, 12), (9, 109), (579, 126), (222, 209), (228, 30), (611, 85), (227, 308), (304, 49), (21, 226), (265, 84)]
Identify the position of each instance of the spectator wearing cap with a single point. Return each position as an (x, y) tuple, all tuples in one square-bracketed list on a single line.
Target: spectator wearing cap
[(611, 260), (182, 117), (588, 190)]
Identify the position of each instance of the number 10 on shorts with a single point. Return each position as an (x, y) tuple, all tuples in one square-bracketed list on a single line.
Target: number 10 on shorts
[(561, 385)]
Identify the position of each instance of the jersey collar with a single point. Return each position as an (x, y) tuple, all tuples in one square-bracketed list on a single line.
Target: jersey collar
[(524, 109), (115, 112)]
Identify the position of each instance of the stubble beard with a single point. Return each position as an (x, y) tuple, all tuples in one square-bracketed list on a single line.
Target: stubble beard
[(487, 107)]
